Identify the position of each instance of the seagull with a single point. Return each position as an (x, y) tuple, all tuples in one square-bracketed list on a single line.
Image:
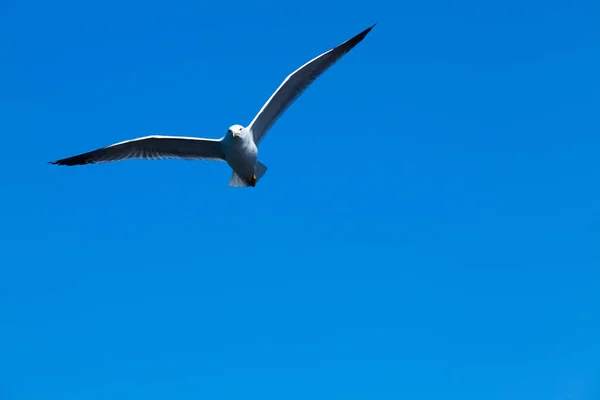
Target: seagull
[(239, 146)]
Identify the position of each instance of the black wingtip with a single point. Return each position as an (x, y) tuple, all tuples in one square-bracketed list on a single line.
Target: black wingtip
[(349, 44), (364, 33), (69, 162)]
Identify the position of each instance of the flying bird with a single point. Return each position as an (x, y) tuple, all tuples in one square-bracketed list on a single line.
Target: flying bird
[(239, 146)]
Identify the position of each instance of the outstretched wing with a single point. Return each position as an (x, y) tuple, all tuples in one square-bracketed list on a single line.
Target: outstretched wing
[(151, 148), (296, 83)]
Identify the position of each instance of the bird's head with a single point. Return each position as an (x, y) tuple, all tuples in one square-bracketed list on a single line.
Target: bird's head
[(236, 131)]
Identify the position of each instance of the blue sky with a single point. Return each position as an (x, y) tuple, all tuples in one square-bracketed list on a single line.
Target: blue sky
[(440, 240)]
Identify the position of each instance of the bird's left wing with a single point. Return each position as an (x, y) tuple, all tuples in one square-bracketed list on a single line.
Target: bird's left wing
[(151, 148), (296, 83)]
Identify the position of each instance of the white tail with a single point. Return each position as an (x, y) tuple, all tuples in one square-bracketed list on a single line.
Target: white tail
[(236, 181)]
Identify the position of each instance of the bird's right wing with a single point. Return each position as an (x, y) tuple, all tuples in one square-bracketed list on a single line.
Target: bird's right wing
[(296, 83), (152, 148)]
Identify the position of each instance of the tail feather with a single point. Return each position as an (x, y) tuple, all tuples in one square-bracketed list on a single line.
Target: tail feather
[(237, 181), (260, 169)]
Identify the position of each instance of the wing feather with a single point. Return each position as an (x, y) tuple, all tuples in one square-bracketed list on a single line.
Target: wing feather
[(296, 83), (151, 148)]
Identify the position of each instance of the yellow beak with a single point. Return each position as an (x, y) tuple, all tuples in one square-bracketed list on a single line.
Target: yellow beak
[(234, 134)]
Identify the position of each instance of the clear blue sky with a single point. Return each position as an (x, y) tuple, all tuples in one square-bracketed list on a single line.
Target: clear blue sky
[(453, 253)]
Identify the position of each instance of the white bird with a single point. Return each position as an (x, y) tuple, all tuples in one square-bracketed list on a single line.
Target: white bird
[(239, 145)]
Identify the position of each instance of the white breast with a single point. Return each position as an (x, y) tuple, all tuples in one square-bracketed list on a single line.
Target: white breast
[(241, 156)]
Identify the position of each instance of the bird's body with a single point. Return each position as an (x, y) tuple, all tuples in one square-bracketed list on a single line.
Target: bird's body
[(241, 153), (239, 146)]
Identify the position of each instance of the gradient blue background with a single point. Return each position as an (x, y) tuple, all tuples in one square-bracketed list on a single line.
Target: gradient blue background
[(452, 252)]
